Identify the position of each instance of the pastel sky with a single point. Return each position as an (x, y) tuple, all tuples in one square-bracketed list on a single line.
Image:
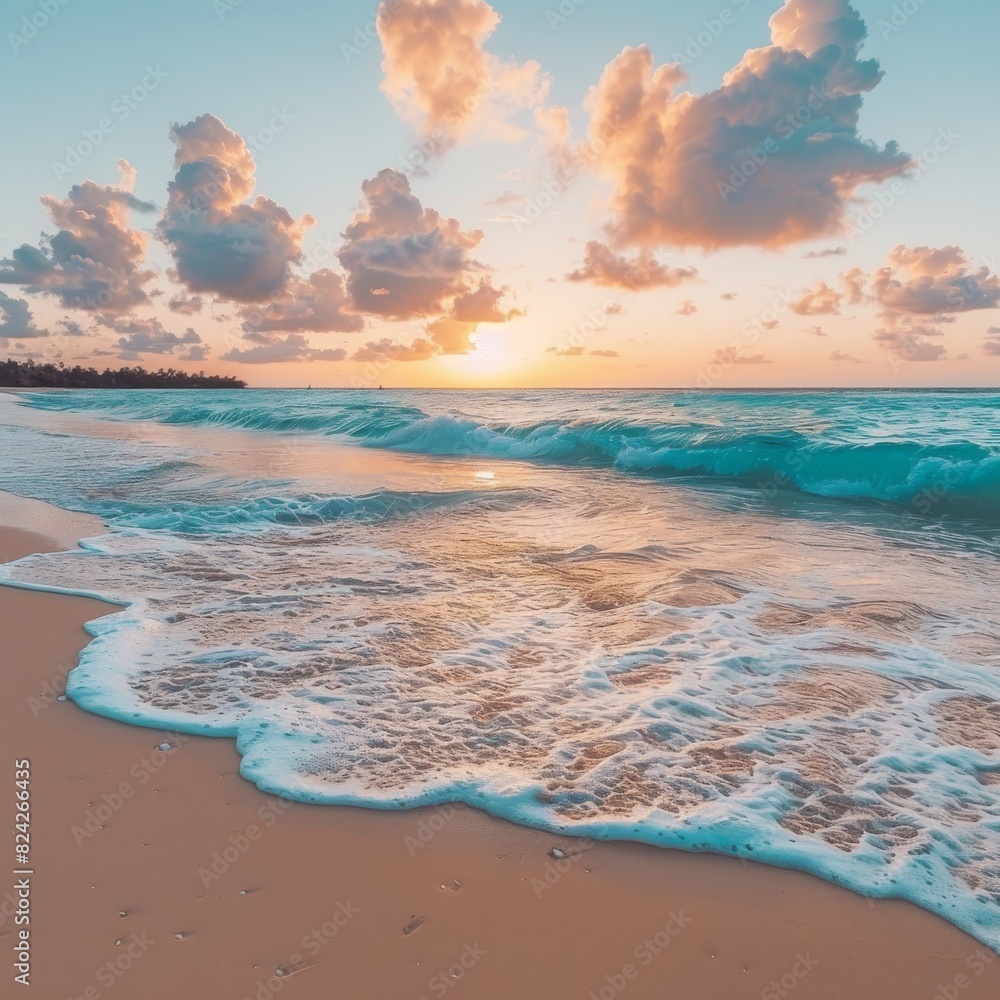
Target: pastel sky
[(529, 193)]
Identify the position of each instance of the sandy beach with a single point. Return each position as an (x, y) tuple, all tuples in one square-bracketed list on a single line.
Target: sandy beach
[(160, 873)]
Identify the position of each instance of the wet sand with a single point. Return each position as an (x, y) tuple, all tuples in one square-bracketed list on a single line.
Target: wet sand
[(162, 874)]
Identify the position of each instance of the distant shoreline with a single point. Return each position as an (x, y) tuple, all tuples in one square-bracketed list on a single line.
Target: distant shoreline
[(29, 375)]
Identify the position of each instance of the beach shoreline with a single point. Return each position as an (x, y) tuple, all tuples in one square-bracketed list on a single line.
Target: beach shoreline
[(158, 871)]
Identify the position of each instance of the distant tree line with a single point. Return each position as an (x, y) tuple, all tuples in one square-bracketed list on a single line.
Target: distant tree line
[(29, 375)]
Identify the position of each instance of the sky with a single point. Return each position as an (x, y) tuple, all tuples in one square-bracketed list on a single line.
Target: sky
[(527, 193)]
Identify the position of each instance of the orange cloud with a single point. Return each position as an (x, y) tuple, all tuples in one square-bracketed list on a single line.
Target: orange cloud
[(439, 75), (405, 261), (822, 300), (268, 348), (602, 266), (318, 303), (770, 158), (386, 350), (922, 288)]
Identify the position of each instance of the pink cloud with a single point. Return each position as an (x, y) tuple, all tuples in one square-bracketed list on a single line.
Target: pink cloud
[(440, 76), (772, 157), (94, 261), (602, 266)]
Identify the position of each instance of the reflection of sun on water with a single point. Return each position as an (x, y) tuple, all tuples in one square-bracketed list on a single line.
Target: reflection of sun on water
[(490, 358)]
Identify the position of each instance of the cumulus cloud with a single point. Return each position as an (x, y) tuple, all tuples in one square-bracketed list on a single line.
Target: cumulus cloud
[(734, 356), (605, 354), (815, 331), (221, 242), (16, 321), (828, 252), (451, 336), (387, 350), (991, 347), (404, 261), (439, 75), (855, 282), (929, 281), (318, 304), (482, 305), (453, 333), (269, 348), (910, 343), (772, 157), (821, 300), (686, 308), (148, 336), (71, 328), (602, 266), (922, 288), (94, 261), (186, 305), (839, 357)]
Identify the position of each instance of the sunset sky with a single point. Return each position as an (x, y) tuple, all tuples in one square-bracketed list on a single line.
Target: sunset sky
[(540, 192)]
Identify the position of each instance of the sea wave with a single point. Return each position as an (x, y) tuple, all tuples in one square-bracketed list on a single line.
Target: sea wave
[(959, 476)]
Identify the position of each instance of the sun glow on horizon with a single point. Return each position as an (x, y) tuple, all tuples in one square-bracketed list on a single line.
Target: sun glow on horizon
[(491, 359)]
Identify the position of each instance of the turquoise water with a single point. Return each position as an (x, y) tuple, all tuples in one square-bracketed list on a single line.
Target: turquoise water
[(932, 451), (762, 624)]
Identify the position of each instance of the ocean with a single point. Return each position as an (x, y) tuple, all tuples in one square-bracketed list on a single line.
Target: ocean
[(763, 624)]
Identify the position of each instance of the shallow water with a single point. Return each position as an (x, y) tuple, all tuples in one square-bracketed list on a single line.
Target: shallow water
[(759, 624)]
